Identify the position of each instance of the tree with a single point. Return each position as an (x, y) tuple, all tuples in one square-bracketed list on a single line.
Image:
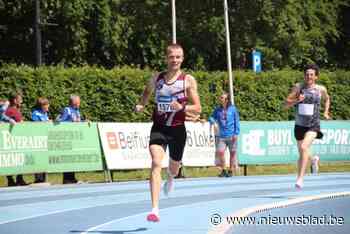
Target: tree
[(112, 33)]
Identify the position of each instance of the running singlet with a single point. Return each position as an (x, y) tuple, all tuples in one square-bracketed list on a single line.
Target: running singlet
[(308, 111), (165, 93)]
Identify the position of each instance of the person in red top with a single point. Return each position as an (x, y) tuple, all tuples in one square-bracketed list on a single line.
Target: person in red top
[(176, 95), (14, 112), (14, 109)]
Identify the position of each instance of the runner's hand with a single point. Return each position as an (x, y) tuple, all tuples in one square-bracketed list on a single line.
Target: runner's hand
[(139, 108), (300, 98), (175, 105), (326, 116)]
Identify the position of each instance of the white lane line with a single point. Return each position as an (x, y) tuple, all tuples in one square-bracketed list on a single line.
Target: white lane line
[(140, 214), (225, 227), (113, 221), (88, 205), (39, 215)]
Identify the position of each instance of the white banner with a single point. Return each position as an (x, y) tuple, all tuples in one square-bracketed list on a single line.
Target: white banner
[(200, 147), (125, 145)]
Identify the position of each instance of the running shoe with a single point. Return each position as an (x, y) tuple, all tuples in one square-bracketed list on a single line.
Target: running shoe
[(223, 173), (229, 174), (152, 217), (299, 185), (168, 186)]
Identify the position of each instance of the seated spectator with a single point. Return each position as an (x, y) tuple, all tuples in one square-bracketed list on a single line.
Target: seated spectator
[(40, 113), (3, 107), (14, 112), (71, 113)]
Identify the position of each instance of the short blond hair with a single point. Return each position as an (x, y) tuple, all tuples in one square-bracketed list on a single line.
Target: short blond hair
[(172, 47)]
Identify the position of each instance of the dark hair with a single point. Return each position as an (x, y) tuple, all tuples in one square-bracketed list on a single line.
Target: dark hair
[(313, 67), (228, 97), (13, 97)]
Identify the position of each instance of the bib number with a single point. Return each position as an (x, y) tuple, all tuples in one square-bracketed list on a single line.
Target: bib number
[(163, 104), (306, 109), (165, 107)]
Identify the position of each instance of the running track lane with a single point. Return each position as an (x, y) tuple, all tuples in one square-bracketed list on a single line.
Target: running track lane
[(121, 208)]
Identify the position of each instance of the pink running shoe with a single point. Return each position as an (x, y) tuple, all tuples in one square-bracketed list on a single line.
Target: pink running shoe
[(152, 217)]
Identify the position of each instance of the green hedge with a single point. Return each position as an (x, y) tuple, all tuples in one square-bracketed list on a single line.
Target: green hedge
[(110, 95)]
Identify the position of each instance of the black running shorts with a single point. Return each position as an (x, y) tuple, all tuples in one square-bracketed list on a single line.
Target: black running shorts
[(172, 136), (300, 131)]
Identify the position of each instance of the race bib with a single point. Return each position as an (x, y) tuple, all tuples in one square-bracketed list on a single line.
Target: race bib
[(306, 109), (165, 107), (163, 104)]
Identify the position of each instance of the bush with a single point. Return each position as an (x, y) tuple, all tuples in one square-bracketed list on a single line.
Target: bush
[(110, 95)]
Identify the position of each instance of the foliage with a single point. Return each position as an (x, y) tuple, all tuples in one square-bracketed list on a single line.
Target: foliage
[(113, 33), (110, 95)]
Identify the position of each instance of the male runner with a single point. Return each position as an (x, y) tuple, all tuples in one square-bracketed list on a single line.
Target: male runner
[(175, 94), (306, 97)]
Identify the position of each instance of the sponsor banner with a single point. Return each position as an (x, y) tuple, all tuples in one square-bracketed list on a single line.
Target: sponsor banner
[(274, 142), (32, 147), (200, 146), (125, 145), (335, 144), (267, 143)]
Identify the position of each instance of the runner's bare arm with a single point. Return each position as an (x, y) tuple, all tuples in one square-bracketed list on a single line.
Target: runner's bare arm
[(192, 117), (192, 93), (293, 97), (147, 92), (327, 102)]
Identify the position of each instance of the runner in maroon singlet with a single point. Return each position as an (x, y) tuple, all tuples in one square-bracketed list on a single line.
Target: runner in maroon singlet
[(176, 96)]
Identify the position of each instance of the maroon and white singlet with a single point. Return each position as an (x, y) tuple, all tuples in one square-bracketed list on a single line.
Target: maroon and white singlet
[(165, 93)]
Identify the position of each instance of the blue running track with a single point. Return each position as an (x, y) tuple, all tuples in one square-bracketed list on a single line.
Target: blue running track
[(121, 208)]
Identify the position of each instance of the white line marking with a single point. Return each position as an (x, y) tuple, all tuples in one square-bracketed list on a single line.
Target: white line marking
[(39, 215), (225, 227), (136, 215), (62, 211), (112, 221)]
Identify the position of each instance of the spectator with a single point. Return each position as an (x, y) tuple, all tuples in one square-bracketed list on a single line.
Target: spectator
[(14, 112), (4, 103), (71, 114), (227, 118), (40, 113)]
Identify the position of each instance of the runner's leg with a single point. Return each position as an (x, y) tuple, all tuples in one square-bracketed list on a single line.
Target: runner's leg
[(173, 170), (304, 155), (157, 154)]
